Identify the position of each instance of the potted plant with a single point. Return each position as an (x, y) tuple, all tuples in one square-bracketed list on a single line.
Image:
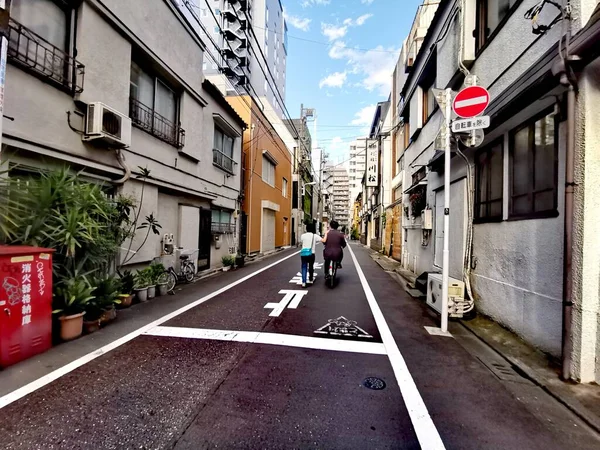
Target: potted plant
[(227, 261), (157, 270), (106, 293), (127, 285), (141, 286), (72, 296), (151, 283)]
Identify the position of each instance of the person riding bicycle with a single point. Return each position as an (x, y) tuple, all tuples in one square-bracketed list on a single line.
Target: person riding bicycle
[(334, 242)]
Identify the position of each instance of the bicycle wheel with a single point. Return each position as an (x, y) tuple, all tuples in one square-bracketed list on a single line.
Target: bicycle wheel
[(171, 280), (188, 272), (332, 271)]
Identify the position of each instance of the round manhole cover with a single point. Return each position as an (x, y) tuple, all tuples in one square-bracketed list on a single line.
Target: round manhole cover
[(374, 383)]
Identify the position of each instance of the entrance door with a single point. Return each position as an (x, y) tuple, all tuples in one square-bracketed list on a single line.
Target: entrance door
[(189, 223), (268, 230), (205, 239)]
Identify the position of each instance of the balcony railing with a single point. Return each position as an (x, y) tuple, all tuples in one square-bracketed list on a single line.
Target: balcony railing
[(155, 124), (223, 161), (221, 228), (38, 56)]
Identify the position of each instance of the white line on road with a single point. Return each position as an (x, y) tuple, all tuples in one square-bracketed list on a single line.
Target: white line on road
[(256, 337), (427, 433), (50, 377)]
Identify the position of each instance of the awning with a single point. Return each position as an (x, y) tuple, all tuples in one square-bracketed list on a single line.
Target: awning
[(415, 186), (270, 157)]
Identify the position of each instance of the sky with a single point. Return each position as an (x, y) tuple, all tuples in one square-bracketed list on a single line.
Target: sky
[(341, 55)]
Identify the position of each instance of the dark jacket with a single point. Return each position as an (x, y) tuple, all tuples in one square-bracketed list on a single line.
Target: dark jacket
[(333, 247)]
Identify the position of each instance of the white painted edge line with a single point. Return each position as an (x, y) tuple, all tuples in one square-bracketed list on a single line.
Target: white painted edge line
[(255, 337), (471, 101), (54, 375), (427, 433)]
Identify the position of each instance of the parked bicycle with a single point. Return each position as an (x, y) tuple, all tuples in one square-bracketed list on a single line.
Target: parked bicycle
[(187, 270)]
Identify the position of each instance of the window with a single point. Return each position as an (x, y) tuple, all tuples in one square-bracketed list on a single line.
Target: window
[(154, 106), (284, 187), (38, 35), (490, 15), (216, 30), (217, 12), (221, 221), (204, 65), (429, 103), (534, 169), (489, 172), (204, 12), (268, 171), (406, 133), (223, 151)]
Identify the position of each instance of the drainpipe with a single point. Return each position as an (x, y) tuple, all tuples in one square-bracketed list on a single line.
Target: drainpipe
[(123, 164)]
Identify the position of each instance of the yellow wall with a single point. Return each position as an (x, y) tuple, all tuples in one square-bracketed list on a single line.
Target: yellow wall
[(264, 137)]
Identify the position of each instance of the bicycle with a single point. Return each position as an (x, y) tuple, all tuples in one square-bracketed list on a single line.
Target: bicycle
[(187, 271), (331, 273)]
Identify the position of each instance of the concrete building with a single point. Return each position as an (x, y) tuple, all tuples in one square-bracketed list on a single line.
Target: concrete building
[(93, 86), (267, 204), (337, 181), (247, 33), (507, 240), (357, 165)]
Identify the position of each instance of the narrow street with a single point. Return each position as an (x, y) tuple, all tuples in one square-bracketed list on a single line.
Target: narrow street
[(258, 362)]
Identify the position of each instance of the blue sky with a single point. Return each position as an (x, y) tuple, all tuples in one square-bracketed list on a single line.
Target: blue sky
[(349, 67)]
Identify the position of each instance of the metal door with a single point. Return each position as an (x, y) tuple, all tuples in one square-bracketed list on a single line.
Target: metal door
[(204, 239), (268, 230)]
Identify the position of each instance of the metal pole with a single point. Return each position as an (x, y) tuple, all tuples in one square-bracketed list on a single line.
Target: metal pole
[(446, 254), (4, 20)]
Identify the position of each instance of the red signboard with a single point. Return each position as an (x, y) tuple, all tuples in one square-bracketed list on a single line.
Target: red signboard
[(25, 302), (471, 102)]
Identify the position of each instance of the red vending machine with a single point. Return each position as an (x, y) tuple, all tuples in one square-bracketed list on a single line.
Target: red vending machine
[(25, 302)]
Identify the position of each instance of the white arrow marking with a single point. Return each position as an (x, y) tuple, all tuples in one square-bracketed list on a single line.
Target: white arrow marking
[(292, 298), (298, 278), (471, 101)]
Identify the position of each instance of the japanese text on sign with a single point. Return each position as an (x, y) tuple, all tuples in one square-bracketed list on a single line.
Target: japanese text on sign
[(372, 171), (26, 288), (475, 123)]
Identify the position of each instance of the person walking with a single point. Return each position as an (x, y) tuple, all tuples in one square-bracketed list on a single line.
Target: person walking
[(307, 253)]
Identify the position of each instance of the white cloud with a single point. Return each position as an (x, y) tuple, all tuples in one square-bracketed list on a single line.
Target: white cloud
[(308, 3), (297, 22), (367, 2), (364, 116), (336, 79), (362, 19), (375, 65), (333, 32)]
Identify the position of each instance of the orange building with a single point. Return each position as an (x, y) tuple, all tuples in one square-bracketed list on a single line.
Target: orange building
[(267, 168)]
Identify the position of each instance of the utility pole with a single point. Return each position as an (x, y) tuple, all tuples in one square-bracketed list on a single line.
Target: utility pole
[(446, 255), (4, 30)]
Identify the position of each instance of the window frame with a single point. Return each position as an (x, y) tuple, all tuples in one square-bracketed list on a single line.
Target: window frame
[(220, 154), (284, 187), (532, 214), (269, 163), (482, 40), (478, 170)]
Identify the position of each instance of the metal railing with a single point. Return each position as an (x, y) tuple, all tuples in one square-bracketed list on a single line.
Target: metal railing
[(223, 161), (38, 56), (155, 124), (218, 227)]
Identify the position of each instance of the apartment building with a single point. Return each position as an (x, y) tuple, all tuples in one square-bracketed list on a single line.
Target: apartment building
[(93, 86), (337, 184), (507, 239), (357, 166), (267, 164)]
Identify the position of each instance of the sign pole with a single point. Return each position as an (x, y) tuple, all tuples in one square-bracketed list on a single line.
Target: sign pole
[(4, 23), (446, 254)]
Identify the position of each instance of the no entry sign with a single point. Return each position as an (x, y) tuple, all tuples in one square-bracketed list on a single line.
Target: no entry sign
[(471, 102)]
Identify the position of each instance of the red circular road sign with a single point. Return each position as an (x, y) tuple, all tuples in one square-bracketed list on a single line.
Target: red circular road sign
[(471, 102)]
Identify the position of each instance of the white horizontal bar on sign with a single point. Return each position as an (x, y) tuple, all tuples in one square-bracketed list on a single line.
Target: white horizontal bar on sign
[(471, 101), (255, 337)]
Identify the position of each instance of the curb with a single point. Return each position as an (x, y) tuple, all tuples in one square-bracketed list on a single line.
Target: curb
[(548, 386)]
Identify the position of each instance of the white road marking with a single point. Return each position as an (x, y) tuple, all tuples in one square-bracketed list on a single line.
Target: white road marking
[(343, 327), (291, 298), (427, 433), (254, 337), (50, 377), (298, 279), (471, 101)]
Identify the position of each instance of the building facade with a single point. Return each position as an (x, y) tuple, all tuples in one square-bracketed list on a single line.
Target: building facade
[(357, 166), (94, 88), (267, 166)]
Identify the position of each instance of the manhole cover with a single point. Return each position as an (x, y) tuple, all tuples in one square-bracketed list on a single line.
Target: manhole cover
[(376, 384)]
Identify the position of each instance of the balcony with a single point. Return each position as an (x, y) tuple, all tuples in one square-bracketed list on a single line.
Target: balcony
[(34, 54), (221, 228), (223, 161), (155, 124)]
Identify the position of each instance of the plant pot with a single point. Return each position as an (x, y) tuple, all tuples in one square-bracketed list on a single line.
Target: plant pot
[(226, 268), (239, 261), (151, 292), (108, 315), (89, 326), (162, 289), (125, 301), (71, 326), (142, 294)]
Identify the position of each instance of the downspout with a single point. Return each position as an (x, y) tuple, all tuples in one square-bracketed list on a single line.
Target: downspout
[(123, 164)]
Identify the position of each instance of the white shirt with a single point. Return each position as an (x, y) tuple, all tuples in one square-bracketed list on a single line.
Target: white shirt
[(309, 240)]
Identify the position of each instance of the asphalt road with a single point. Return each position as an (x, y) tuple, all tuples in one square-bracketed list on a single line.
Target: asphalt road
[(267, 364)]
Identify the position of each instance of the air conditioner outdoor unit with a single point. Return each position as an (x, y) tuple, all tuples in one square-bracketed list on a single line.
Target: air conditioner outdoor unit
[(456, 292), (106, 124)]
